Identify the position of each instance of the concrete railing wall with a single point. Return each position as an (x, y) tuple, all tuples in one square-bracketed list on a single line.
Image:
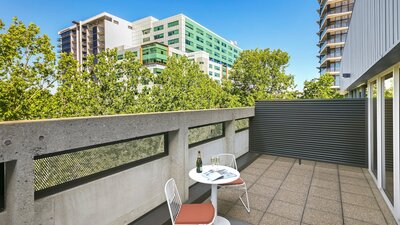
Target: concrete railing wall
[(121, 197)]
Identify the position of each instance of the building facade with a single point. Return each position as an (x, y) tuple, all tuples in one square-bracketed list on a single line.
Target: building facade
[(371, 64), (173, 35), (333, 26)]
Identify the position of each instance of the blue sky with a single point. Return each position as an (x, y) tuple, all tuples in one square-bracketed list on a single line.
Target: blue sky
[(289, 25)]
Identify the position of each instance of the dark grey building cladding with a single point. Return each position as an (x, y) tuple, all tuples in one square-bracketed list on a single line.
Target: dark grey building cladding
[(323, 130)]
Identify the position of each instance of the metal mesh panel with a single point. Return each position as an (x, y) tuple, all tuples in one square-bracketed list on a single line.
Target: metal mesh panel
[(55, 170), (205, 133), (241, 124)]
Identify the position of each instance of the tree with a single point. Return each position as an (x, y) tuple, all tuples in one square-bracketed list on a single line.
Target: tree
[(106, 86), (27, 65), (183, 86), (260, 74), (320, 88)]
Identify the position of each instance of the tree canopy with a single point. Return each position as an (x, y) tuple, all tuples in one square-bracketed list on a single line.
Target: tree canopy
[(260, 74), (320, 88)]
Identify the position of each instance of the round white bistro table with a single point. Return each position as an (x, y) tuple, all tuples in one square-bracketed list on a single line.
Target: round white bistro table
[(214, 187)]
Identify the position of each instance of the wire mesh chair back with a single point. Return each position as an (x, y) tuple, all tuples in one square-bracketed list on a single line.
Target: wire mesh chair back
[(173, 199), (226, 159)]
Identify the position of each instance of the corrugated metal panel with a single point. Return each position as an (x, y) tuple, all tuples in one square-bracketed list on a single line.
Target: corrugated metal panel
[(373, 34), (323, 130)]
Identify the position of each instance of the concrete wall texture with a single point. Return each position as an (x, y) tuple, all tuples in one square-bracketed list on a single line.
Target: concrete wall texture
[(121, 197)]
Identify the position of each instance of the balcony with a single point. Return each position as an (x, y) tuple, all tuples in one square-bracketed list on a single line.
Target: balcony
[(112, 169)]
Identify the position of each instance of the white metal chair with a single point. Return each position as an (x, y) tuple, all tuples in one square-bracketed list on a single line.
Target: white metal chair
[(186, 213), (226, 159)]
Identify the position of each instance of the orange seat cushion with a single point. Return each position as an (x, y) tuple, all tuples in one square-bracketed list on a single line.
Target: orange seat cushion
[(195, 214), (236, 182)]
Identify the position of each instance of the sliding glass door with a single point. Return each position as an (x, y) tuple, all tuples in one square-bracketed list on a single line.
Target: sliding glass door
[(387, 148), (374, 126)]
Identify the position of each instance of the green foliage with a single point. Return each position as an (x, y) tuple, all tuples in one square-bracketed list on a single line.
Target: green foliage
[(320, 88), (183, 86), (27, 65), (260, 74)]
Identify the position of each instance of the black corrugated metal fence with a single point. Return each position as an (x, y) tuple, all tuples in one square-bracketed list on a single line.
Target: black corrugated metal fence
[(323, 130)]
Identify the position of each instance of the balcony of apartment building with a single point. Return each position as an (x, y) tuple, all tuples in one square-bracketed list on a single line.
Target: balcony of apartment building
[(340, 10), (333, 27), (304, 162), (330, 57)]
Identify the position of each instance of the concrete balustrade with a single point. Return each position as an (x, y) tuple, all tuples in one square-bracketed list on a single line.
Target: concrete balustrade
[(118, 198)]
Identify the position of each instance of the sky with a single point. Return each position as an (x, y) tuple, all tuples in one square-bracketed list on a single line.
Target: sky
[(289, 25)]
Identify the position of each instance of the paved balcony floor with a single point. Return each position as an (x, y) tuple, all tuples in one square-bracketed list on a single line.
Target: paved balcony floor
[(283, 192)]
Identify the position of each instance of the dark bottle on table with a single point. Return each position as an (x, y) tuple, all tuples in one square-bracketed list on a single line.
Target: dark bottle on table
[(199, 163)]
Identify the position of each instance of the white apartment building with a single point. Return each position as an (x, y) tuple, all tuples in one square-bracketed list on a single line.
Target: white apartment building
[(176, 34)]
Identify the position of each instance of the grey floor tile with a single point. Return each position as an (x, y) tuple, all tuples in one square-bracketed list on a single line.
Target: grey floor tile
[(270, 182), (257, 202), (316, 217), (262, 190), (324, 193), (247, 177), (350, 221), (240, 213), (383, 206), (350, 168), (324, 204), (359, 175), (270, 157), (298, 179), (326, 176), (363, 214), (275, 174), (354, 181), (326, 165), (296, 187), (228, 194), (355, 189), (325, 184), (287, 210), (291, 197), (253, 170), (360, 200), (271, 219)]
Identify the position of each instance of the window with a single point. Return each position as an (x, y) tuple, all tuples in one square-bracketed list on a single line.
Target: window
[(188, 34), (173, 41), (223, 44), (157, 28), (146, 39), (202, 134), (130, 27), (217, 68), (223, 50), (208, 51), (216, 54), (2, 186), (199, 39), (91, 162), (209, 43), (199, 47), (210, 66), (172, 24), (199, 31), (119, 57), (158, 36), (209, 36), (216, 47), (236, 51), (189, 25), (116, 22), (374, 127), (216, 40), (188, 42), (147, 31), (241, 124), (210, 73), (216, 75), (170, 33), (388, 136)]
